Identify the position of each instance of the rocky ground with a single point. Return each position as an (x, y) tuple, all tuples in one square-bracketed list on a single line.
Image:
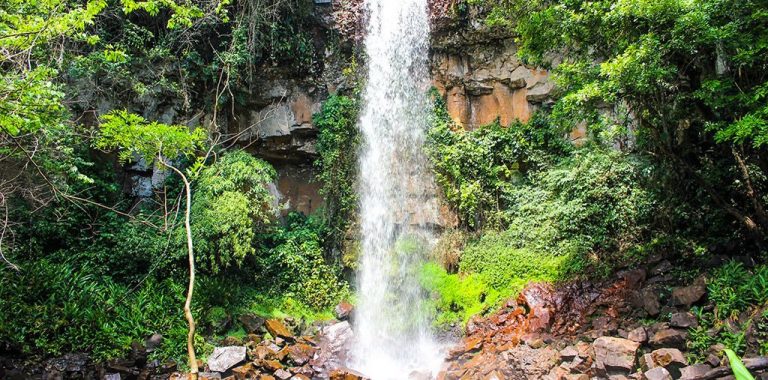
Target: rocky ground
[(634, 326)]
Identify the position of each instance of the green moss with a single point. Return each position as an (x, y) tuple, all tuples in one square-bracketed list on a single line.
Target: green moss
[(507, 267), (491, 271), (456, 298)]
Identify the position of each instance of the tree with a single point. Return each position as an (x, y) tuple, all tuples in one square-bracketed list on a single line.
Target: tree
[(686, 79), (136, 137)]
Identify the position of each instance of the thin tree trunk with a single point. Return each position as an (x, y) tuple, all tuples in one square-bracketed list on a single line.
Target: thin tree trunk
[(193, 369), (752, 193)]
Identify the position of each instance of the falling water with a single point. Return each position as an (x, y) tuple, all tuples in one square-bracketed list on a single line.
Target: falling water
[(392, 324)]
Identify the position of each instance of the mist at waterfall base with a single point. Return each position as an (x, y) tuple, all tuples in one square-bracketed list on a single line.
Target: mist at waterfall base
[(392, 322)]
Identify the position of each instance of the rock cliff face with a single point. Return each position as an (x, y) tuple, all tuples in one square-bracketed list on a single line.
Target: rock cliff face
[(476, 68), (473, 66)]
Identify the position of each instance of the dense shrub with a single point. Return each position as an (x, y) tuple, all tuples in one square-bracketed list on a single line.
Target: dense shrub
[(594, 201), (548, 212), (62, 307), (296, 267), (231, 202), (475, 169), (95, 281)]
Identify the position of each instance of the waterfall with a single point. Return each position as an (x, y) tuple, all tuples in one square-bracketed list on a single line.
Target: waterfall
[(393, 337)]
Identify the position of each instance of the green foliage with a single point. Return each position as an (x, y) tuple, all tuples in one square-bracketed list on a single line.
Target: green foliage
[(62, 307), (295, 266), (684, 78), (739, 370), (507, 268), (733, 289), (736, 293), (590, 205), (136, 137), (230, 206), (475, 169), (92, 280), (337, 145), (31, 102), (457, 298)]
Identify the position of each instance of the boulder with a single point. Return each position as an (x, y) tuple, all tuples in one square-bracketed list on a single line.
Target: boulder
[(153, 342), (669, 338), (251, 322), (338, 335), (695, 371), (343, 310), (246, 371), (658, 373), (683, 320), (615, 353), (639, 335), (661, 268), (300, 353), (262, 352), (282, 374), (208, 376), (539, 92), (538, 298), (271, 365), (224, 358), (277, 329), (347, 374), (671, 359), (648, 300), (568, 353), (646, 361), (688, 295)]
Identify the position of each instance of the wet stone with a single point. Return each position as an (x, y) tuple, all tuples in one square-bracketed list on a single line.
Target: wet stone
[(683, 320), (658, 373)]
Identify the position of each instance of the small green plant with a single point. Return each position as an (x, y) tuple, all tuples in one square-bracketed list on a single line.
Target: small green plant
[(734, 290)]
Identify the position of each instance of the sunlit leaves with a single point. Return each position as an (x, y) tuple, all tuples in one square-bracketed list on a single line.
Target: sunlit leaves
[(30, 101), (136, 137)]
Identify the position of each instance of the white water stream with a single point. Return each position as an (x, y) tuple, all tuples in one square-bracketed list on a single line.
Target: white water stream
[(392, 332)]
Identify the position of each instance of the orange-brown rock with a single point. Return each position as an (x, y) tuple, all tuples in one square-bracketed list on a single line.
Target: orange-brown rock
[(277, 329), (300, 353), (343, 310), (347, 374), (247, 371), (262, 352), (271, 365)]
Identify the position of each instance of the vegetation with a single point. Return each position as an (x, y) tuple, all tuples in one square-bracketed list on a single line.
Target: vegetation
[(672, 95), (739, 296), (86, 268), (684, 79), (337, 145)]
